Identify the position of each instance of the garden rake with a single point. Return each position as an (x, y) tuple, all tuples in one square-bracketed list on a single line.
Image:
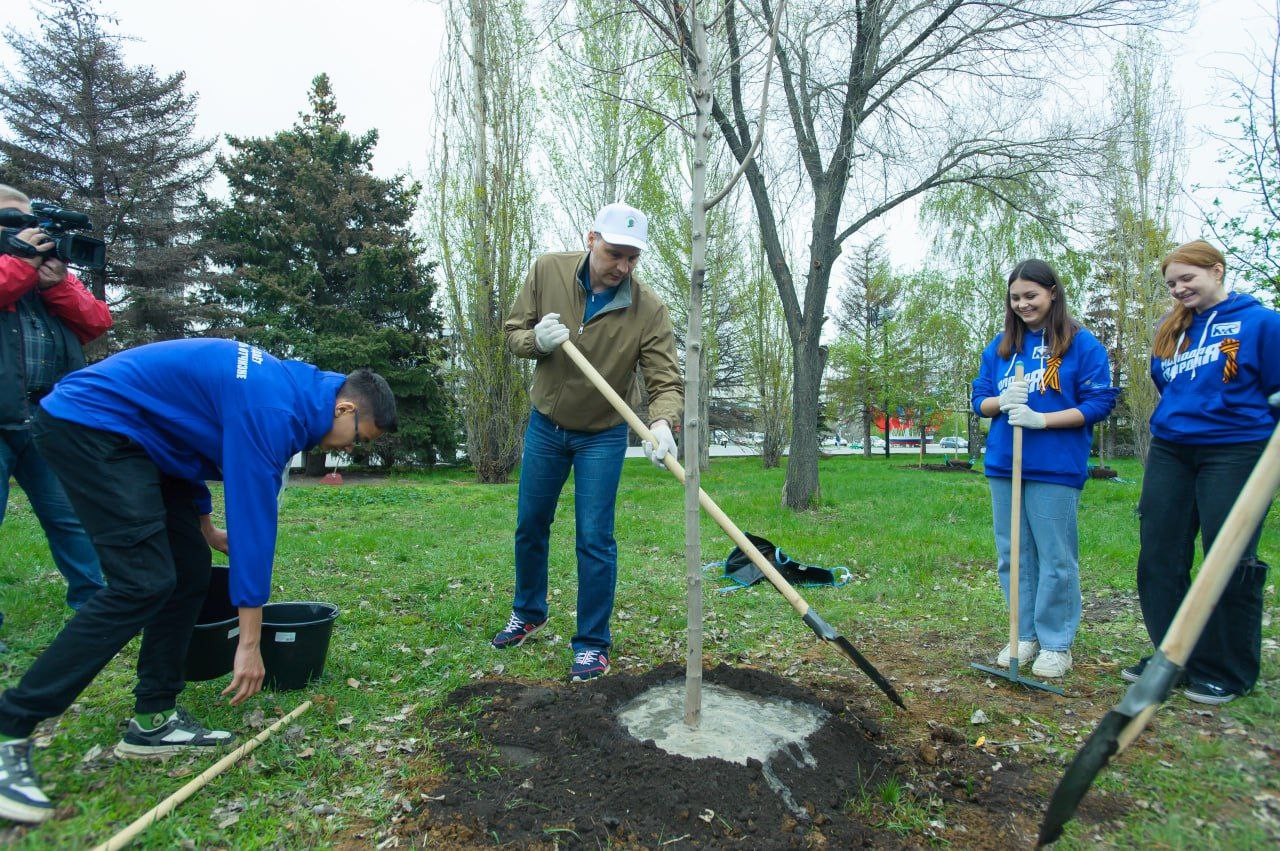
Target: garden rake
[(1015, 547)]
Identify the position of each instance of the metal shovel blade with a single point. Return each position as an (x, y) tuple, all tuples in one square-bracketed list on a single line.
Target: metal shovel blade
[(1075, 783), (1012, 676), (827, 633)]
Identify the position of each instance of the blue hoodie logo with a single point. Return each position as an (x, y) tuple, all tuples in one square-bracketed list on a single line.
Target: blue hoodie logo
[(1224, 329)]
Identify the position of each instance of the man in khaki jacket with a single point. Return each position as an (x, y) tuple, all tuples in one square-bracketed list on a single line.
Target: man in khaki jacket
[(594, 299)]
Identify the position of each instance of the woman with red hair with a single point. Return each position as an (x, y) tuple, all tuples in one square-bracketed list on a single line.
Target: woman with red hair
[(1215, 361)]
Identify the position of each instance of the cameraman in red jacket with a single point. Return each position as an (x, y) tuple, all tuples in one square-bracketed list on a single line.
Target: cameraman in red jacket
[(46, 315)]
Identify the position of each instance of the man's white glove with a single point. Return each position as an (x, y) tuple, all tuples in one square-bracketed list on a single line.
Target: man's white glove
[(549, 333), (664, 442), (1021, 415), (1014, 394)]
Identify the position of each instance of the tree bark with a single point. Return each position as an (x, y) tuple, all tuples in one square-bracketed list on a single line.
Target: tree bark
[(801, 489), (693, 361)]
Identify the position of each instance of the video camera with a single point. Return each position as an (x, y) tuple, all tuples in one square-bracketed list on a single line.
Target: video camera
[(74, 249)]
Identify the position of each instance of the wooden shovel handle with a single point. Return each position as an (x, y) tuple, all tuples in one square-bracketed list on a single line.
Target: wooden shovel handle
[(708, 505)]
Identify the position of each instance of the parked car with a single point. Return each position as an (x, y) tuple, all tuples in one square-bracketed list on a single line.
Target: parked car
[(953, 443), (876, 443)]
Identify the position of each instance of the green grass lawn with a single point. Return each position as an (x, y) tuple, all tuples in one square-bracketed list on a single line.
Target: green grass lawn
[(421, 568)]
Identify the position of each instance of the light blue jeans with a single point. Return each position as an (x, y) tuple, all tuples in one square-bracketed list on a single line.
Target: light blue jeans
[(1049, 563)]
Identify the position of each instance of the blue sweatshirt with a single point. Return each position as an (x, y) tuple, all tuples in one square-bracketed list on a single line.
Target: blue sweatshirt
[(212, 409), (1216, 391), (1056, 455)]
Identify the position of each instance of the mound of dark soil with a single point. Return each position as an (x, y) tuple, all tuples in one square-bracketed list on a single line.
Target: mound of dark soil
[(544, 766), (552, 764)]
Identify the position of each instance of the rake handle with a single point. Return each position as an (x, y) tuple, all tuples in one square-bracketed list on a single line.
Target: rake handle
[(708, 504), (1015, 537), (171, 803)]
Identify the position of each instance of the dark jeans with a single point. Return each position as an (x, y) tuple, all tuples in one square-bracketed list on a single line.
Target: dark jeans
[(596, 460), (1186, 488), (70, 547), (157, 564)]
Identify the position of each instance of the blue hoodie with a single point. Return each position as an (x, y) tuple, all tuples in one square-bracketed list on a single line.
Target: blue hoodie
[(1216, 391), (1056, 455), (212, 409)]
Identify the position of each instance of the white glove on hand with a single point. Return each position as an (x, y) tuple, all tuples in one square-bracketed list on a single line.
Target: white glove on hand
[(549, 333), (1021, 415), (1014, 394), (665, 440)]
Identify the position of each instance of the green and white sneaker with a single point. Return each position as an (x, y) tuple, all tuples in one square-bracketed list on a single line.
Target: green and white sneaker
[(21, 798), (180, 732)]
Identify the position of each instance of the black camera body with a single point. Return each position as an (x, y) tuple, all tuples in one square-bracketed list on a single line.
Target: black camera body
[(74, 249)]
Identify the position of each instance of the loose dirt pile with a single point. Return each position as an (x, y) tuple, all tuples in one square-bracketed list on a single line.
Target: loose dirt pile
[(541, 766)]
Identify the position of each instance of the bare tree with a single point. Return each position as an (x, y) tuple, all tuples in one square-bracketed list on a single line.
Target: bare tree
[(685, 29), (885, 101), (484, 212)]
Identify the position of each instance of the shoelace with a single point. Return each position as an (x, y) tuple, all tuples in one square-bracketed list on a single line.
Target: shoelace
[(21, 755), (583, 657), (185, 718), (514, 623)]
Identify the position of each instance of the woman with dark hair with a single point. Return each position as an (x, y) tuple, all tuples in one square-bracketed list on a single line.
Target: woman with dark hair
[(1066, 389), (1215, 361)]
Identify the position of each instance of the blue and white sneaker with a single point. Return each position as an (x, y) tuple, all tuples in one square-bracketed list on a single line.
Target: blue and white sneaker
[(587, 665), (516, 632), (21, 798), (180, 732)]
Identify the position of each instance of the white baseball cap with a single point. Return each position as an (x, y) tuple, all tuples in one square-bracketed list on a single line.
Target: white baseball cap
[(622, 224)]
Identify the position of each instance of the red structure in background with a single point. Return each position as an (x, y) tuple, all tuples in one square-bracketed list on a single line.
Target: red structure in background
[(904, 430)]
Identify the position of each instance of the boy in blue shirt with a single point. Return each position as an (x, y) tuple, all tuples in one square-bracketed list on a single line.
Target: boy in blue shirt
[(133, 439)]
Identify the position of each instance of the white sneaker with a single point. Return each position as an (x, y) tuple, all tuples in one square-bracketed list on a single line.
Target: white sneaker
[(1052, 663), (1026, 652)]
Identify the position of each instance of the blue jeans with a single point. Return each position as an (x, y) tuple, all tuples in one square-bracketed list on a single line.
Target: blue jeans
[(73, 552), (596, 460), (1049, 562)]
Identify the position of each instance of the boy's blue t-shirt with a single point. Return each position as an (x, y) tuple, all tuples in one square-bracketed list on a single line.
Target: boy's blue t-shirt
[(1082, 380), (206, 409), (1216, 390)]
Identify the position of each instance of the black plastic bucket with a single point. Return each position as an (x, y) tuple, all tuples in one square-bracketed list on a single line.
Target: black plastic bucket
[(295, 642), (212, 652)]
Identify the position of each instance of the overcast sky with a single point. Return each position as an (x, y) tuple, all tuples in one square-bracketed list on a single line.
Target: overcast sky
[(252, 62)]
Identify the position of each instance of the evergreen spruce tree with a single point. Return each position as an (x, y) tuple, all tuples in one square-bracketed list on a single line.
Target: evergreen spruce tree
[(323, 266), (90, 132)]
